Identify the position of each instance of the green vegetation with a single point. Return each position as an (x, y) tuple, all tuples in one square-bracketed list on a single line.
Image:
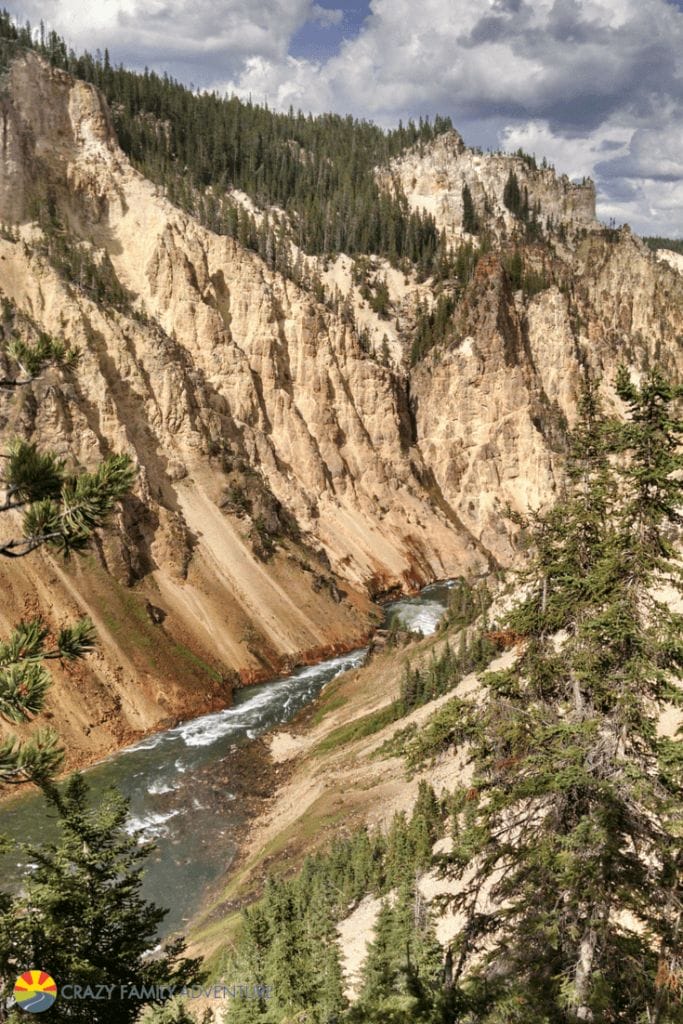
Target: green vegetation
[(288, 943), (528, 159), (318, 170), (466, 604), (435, 325), (516, 199), (470, 221), (326, 705), (522, 277), (442, 674), (360, 728), (403, 974), (655, 242), (571, 821), (573, 817), (174, 1012), (512, 195), (80, 914), (445, 671), (432, 326)]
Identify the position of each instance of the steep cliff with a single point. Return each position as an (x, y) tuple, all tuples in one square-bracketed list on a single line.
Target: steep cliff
[(492, 407), (286, 475), (278, 485), (433, 179)]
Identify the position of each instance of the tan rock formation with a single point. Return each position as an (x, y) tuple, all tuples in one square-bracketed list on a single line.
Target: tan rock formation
[(285, 474), (241, 400), (433, 180)]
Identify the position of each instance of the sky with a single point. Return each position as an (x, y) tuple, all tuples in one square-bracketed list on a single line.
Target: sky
[(596, 86)]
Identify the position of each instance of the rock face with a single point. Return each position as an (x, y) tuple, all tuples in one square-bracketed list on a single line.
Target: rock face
[(254, 416), (433, 180), (674, 259), (491, 411), (285, 476)]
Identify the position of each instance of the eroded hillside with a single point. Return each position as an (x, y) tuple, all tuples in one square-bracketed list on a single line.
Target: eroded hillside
[(287, 472)]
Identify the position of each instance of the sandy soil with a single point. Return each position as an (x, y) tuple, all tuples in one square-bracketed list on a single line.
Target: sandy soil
[(284, 746), (355, 932)]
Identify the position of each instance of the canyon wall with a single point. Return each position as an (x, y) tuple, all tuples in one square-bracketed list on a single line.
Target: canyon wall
[(286, 477)]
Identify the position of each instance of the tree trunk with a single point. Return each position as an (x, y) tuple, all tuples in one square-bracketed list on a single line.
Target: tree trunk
[(583, 973)]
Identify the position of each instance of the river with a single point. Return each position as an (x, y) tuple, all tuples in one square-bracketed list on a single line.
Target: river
[(179, 781)]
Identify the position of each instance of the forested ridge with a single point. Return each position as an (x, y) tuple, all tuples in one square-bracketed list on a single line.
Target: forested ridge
[(311, 190), (318, 170)]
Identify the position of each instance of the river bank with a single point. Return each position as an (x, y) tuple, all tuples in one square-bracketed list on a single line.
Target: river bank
[(222, 693), (325, 778), (189, 787)]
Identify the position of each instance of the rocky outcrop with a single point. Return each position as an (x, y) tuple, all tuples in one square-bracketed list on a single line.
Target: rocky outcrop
[(674, 259), (272, 452), (492, 409), (433, 180)]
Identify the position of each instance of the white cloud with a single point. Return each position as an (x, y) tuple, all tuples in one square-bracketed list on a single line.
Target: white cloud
[(572, 63), (639, 172), (327, 15), (222, 32), (590, 84), (575, 157)]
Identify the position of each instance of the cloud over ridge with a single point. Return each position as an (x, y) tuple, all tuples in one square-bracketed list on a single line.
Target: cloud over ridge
[(596, 85)]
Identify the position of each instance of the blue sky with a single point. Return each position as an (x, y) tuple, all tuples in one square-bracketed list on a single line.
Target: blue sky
[(320, 39), (594, 85)]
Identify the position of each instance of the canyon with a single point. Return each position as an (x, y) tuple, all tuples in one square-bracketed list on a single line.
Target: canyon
[(288, 478)]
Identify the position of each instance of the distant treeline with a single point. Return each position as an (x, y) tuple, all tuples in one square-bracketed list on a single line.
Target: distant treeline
[(655, 242)]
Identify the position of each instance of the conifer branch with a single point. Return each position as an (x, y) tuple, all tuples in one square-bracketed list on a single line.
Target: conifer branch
[(63, 511)]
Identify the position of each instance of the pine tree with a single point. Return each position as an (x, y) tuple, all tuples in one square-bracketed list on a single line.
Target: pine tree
[(323, 973), (409, 687), (81, 915), (287, 952), (400, 852), (572, 823), (512, 196), (402, 978), (378, 968), (60, 510), (174, 1012), (427, 807), (470, 221), (250, 963)]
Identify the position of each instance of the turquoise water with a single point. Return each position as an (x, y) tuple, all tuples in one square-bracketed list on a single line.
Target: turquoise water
[(183, 789)]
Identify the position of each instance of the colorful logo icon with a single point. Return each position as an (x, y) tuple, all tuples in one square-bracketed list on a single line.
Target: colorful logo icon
[(35, 991)]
